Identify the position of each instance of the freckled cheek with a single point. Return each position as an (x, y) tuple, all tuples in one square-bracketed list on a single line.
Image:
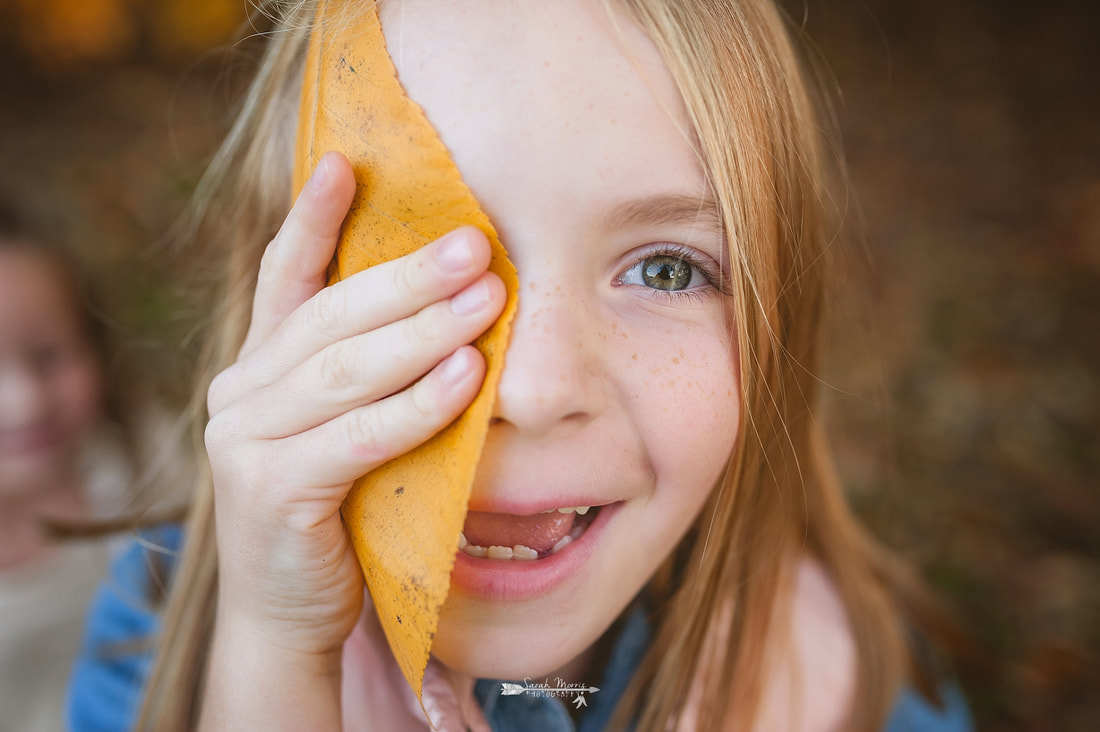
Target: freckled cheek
[(685, 404), (684, 381)]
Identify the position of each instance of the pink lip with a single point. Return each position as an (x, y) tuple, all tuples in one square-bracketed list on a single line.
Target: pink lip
[(494, 579)]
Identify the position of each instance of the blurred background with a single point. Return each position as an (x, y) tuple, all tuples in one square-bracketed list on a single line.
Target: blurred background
[(963, 385)]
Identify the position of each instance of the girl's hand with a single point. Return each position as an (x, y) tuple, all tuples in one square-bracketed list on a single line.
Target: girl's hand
[(330, 383)]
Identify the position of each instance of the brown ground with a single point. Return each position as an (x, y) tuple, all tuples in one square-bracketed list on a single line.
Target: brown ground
[(964, 399)]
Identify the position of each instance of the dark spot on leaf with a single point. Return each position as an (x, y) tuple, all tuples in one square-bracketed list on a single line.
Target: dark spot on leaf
[(399, 490), (344, 62)]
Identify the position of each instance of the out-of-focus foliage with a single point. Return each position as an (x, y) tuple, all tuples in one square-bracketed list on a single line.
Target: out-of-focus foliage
[(55, 35)]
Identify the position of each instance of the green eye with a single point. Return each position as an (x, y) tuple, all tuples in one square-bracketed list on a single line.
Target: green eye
[(674, 273), (663, 272), (666, 272)]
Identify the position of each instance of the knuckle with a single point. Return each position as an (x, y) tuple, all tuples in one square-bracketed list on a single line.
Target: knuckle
[(337, 368), (409, 275), (363, 433), (217, 396), (240, 465), (219, 433), (269, 258), (424, 327), (328, 309), (425, 401)]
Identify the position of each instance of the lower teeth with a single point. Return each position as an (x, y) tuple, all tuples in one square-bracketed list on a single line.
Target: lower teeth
[(519, 552), (500, 552)]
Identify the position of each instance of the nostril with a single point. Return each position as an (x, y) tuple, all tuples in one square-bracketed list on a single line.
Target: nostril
[(580, 417)]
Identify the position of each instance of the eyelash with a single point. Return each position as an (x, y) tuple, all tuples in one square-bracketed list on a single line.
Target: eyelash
[(715, 278)]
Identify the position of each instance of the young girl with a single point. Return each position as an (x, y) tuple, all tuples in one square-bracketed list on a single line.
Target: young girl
[(654, 169), (66, 456)]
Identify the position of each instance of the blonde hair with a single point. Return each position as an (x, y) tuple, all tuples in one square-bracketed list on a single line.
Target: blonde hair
[(761, 144)]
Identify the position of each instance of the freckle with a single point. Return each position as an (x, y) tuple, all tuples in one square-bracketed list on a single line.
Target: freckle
[(675, 360), (634, 356), (532, 286)]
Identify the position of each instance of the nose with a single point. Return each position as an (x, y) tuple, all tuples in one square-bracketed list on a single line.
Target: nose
[(551, 369)]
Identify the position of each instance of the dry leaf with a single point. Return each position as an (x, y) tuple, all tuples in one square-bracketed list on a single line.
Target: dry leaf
[(405, 517)]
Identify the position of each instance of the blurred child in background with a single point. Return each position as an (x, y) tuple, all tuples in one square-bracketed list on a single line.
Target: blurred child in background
[(67, 458)]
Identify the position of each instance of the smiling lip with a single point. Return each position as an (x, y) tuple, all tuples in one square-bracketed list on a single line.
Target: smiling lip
[(496, 579)]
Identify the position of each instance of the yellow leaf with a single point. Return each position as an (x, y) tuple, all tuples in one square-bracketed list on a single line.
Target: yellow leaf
[(406, 516)]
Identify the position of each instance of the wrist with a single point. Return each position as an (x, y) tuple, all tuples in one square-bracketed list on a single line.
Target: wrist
[(269, 641), (254, 682)]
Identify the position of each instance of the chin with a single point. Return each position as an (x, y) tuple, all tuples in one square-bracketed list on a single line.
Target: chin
[(506, 653)]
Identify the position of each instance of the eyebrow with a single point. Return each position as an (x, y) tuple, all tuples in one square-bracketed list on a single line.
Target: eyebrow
[(666, 209)]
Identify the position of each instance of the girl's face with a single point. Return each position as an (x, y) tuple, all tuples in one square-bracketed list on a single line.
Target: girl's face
[(619, 388), (49, 377)]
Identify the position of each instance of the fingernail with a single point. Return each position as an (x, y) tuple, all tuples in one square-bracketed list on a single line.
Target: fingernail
[(319, 178), (454, 253), (454, 369), (473, 298)]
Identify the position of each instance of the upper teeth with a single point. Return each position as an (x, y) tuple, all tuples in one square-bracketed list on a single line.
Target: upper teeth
[(582, 510)]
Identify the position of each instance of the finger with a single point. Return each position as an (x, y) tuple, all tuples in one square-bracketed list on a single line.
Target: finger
[(362, 369), (295, 264), (355, 443), (367, 300)]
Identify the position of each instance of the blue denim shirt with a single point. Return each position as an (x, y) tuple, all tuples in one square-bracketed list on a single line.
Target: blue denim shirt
[(527, 712), (110, 672)]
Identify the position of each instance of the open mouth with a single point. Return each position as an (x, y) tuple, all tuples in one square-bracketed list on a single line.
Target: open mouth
[(517, 538)]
